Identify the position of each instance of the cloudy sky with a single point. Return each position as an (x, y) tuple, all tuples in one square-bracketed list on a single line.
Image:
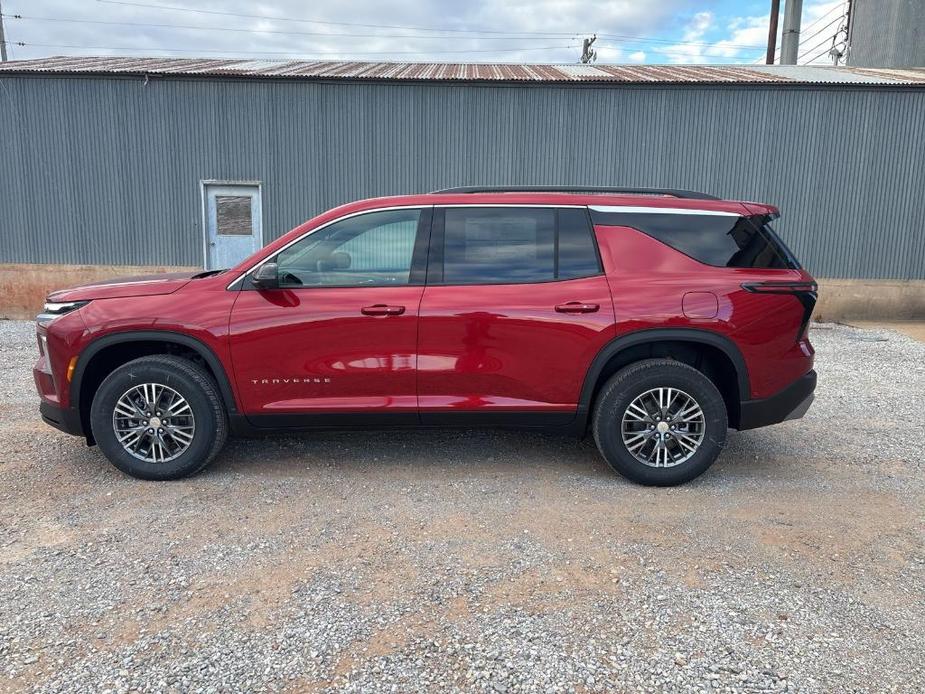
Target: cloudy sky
[(541, 31)]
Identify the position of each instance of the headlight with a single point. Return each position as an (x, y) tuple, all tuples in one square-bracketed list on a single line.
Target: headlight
[(58, 309), (53, 310)]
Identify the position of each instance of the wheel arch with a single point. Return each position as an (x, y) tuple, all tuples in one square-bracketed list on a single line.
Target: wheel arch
[(632, 346), (147, 342)]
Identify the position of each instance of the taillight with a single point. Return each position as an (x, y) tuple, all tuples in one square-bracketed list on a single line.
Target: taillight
[(781, 287), (805, 292)]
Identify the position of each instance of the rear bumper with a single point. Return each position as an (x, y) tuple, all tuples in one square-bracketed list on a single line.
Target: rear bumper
[(65, 419), (791, 403)]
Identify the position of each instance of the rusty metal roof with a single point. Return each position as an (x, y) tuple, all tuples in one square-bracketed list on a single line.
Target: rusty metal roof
[(468, 72)]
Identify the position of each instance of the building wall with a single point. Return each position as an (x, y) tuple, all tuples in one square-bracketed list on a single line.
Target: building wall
[(106, 171), (887, 33)]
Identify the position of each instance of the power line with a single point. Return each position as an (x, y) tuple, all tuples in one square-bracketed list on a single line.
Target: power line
[(816, 57), (286, 53), (274, 31), (805, 39), (821, 43), (811, 36), (678, 54), (319, 21), (840, 7), (650, 39), (511, 37), (548, 34)]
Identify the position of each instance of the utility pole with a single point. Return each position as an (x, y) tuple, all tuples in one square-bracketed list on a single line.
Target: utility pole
[(587, 55), (2, 39), (772, 32), (790, 39)]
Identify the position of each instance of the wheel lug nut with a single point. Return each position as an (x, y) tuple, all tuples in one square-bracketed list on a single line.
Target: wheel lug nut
[(150, 431)]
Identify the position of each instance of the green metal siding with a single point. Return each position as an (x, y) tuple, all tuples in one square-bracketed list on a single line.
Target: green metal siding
[(107, 170)]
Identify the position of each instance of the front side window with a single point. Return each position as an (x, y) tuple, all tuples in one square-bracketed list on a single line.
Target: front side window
[(510, 245), (372, 249)]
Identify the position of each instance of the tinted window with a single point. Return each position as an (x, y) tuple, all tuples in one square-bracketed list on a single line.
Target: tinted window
[(498, 245), (722, 240), (505, 245), (367, 250), (577, 252)]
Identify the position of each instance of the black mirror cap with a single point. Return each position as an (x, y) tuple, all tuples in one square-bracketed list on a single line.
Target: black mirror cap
[(266, 276)]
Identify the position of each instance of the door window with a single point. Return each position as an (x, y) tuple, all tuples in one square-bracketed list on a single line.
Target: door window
[(233, 215), (509, 245), (374, 249)]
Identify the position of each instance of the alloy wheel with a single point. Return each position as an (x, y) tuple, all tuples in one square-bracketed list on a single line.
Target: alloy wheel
[(153, 423), (663, 427)]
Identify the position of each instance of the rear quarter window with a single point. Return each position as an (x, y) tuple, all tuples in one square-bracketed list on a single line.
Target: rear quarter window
[(713, 239)]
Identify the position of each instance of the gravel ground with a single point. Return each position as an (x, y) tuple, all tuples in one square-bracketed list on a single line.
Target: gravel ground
[(486, 561)]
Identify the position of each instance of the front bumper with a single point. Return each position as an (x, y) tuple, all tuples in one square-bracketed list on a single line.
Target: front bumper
[(66, 419), (791, 403)]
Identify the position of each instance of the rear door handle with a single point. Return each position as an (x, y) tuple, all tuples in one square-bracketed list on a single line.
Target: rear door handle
[(577, 307), (382, 310)]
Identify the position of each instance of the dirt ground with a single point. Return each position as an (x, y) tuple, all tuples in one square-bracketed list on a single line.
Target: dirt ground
[(477, 560), (914, 329)]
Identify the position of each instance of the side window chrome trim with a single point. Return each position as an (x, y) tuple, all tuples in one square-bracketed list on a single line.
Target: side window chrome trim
[(628, 209), (507, 204), (253, 267)]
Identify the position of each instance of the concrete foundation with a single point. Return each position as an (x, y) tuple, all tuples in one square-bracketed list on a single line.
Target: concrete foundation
[(23, 289), (879, 300)]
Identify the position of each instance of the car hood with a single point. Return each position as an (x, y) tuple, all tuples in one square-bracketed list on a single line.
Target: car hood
[(143, 285)]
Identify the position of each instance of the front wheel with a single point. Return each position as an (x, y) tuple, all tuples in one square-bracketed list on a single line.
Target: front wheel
[(660, 422), (159, 418)]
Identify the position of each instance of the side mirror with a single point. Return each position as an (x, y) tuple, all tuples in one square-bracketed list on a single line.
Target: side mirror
[(266, 276)]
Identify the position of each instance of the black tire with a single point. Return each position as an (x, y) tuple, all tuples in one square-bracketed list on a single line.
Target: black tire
[(631, 382), (188, 379)]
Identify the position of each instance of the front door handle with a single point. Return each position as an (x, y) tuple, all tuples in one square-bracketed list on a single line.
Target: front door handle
[(382, 310), (577, 307)]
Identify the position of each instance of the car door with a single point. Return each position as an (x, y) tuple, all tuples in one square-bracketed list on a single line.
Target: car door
[(515, 308), (335, 343)]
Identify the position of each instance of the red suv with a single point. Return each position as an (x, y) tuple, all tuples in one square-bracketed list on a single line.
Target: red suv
[(656, 319)]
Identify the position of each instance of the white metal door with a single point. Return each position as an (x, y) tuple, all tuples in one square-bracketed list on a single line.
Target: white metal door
[(232, 222)]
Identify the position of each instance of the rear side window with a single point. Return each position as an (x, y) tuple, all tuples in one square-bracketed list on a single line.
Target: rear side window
[(714, 239), (509, 245)]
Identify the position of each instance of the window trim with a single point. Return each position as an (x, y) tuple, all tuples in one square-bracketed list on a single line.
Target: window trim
[(424, 223), (245, 282), (435, 265)]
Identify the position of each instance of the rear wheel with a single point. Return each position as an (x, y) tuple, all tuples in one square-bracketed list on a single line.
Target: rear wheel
[(660, 422), (159, 418)]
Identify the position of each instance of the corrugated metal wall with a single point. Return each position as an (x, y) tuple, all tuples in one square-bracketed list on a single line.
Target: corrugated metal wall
[(108, 170), (887, 33)]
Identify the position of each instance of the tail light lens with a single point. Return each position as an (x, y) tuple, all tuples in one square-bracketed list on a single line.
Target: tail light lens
[(805, 292), (781, 287)]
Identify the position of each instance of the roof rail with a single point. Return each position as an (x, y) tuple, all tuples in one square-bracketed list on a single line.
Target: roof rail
[(673, 192)]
